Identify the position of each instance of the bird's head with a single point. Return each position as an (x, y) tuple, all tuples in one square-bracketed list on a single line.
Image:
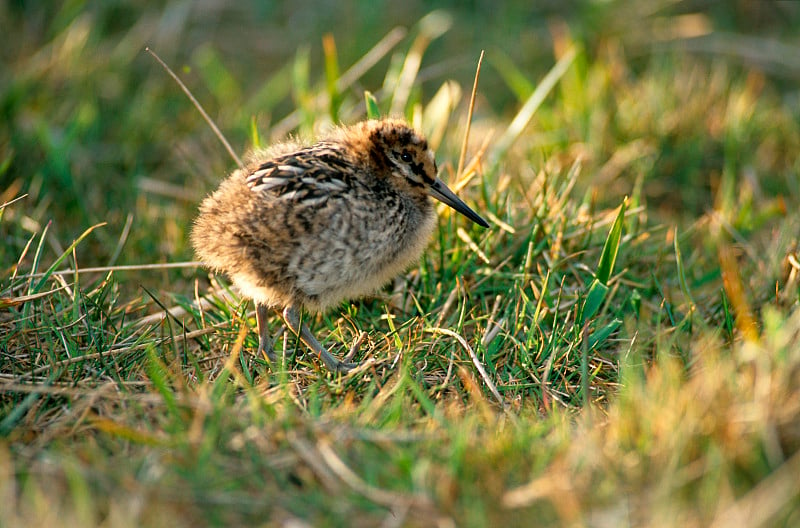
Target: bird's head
[(398, 150)]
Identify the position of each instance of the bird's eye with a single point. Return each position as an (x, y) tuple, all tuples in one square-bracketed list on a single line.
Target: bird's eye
[(406, 157)]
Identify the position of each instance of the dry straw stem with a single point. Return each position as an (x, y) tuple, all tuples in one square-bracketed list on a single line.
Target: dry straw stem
[(6, 204), (128, 267), (8, 302), (475, 361), (196, 104), (462, 157)]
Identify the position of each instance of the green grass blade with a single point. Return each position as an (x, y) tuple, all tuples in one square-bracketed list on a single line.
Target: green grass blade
[(158, 373), (603, 333), (419, 394), (301, 88), (11, 419), (431, 26), (5, 164), (61, 258), (37, 258), (514, 78), (594, 299), (332, 75), (373, 112), (255, 137), (17, 413), (611, 248), (584, 369), (219, 80), (682, 272), (596, 294), (729, 319)]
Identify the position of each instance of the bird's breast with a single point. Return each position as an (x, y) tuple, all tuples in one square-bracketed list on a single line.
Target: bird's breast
[(363, 244)]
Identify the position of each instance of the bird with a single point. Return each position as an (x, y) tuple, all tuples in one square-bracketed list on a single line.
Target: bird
[(306, 226)]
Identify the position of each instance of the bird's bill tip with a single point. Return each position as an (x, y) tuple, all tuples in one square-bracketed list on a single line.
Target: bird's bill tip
[(441, 192)]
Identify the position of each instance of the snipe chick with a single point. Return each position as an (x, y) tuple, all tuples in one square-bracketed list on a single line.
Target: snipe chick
[(308, 226)]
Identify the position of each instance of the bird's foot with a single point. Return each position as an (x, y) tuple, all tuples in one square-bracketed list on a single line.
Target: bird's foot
[(336, 366)]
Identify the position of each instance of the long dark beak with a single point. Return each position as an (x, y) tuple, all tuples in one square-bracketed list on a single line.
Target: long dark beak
[(441, 192)]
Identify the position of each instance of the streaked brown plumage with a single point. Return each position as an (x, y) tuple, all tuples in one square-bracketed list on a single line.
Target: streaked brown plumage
[(306, 227)]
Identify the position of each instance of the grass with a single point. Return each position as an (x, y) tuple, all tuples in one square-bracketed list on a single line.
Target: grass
[(620, 348)]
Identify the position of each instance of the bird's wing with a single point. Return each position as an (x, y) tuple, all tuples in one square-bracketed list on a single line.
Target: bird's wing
[(309, 175)]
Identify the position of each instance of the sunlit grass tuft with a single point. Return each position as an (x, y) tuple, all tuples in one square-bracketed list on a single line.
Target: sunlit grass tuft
[(618, 349)]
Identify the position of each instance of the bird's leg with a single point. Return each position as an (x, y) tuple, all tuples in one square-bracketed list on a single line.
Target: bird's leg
[(292, 319), (264, 341), (355, 346)]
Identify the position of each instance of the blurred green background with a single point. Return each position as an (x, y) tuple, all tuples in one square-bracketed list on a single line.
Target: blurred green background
[(93, 130)]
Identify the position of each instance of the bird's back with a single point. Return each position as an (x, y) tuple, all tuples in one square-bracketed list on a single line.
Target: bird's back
[(310, 227)]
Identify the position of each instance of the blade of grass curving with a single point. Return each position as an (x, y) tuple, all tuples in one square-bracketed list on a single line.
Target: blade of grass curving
[(438, 112), (123, 237), (37, 258), (15, 415), (21, 259), (168, 315), (60, 259), (525, 113), (76, 288), (475, 361), (398, 342)]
